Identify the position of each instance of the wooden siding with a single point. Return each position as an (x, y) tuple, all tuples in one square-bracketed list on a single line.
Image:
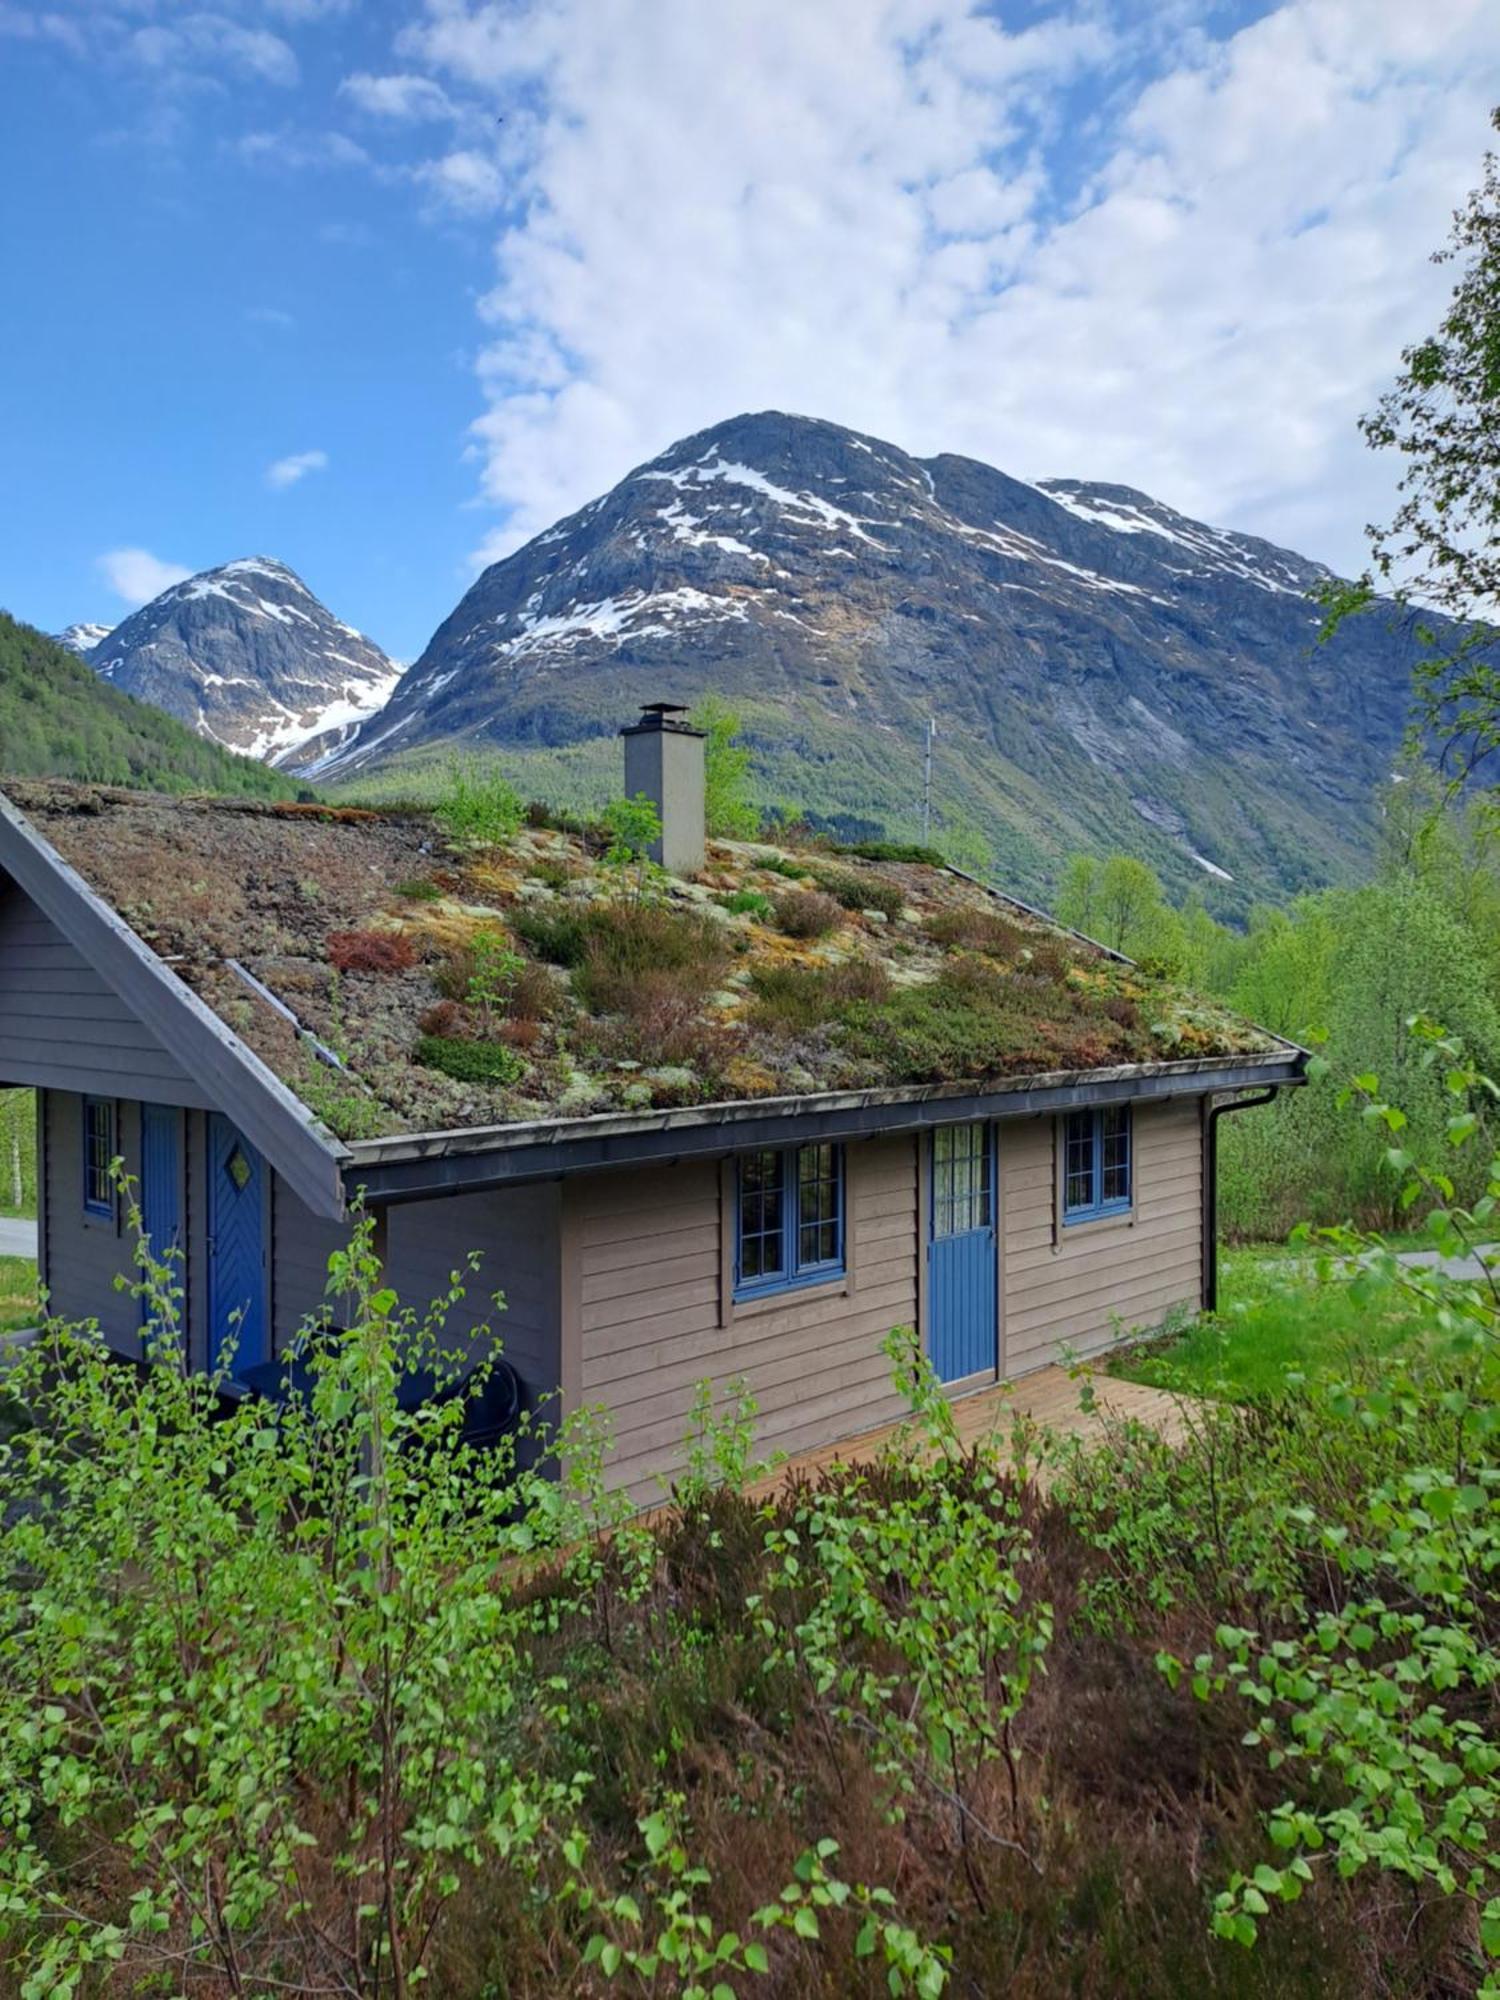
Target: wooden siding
[(86, 1253), (63, 1027), (1070, 1289), (646, 1303)]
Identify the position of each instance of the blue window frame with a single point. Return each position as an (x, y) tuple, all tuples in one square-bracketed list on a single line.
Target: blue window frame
[(1097, 1165), (789, 1218), (99, 1157)]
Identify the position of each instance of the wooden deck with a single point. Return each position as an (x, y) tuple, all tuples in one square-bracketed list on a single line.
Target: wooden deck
[(1051, 1398)]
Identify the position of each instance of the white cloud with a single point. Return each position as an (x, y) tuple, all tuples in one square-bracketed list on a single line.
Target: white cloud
[(216, 41), (272, 316), (464, 180), (399, 97), (284, 472), (295, 152), (138, 576), (1183, 260)]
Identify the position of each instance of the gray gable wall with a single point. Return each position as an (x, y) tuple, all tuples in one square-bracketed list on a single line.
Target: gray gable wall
[(63, 1027)]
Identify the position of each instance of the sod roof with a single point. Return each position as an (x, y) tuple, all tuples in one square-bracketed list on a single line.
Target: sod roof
[(401, 981)]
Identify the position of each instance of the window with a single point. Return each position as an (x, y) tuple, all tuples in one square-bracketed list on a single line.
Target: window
[(790, 1224), (98, 1156), (1096, 1163), (962, 1197)]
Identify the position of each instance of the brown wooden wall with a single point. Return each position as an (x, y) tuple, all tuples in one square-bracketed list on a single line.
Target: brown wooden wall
[(1067, 1289), (647, 1311)]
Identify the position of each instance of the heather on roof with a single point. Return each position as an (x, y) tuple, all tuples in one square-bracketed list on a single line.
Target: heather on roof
[(401, 982)]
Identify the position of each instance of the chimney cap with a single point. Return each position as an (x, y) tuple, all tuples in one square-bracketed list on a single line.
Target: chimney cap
[(662, 715)]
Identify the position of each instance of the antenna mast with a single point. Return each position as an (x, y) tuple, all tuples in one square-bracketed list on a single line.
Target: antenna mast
[(927, 783)]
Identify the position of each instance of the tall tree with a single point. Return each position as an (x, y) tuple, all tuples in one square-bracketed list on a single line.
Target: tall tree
[(1441, 547)]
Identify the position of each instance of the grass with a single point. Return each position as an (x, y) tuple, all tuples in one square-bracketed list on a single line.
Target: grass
[(17, 1293), (1274, 1315)]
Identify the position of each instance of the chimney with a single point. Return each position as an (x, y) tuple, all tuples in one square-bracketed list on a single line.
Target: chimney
[(664, 759)]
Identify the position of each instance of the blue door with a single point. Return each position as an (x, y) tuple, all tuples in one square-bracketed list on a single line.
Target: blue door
[(236, 1247), (963, 1315), (161, 1193)]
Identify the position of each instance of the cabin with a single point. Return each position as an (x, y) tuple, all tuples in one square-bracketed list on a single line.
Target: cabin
[(731, 1110)]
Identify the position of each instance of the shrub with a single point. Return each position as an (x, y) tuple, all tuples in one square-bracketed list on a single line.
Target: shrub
[(447, 1020), (370, 951), (975, 1021), (422, 889), (747, 903), (470, 1062), (807, 913), (976, 930), (781, 864), (893, 850), (630, 949), (858, 891), (794, 999), (533, 995), (558, 936), (480, 805)]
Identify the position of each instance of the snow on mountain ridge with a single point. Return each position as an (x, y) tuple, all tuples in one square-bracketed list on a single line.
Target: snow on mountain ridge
[(248, 656)]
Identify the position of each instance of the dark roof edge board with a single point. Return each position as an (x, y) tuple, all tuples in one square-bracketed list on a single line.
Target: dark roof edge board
[(1030, 910), (269, 1114), (422, 1165)]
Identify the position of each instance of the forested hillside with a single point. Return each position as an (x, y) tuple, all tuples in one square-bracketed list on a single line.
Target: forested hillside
[(58, 719), (1351, 970)]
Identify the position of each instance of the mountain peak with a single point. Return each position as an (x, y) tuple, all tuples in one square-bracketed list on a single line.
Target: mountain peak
[(248, 656), (83, 637), (1104, 670)]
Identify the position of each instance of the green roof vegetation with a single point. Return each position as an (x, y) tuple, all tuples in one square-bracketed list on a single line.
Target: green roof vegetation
[(480, 969)]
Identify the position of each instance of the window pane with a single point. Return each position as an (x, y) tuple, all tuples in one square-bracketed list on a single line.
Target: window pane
[(98, 1152), (818, 1206), (762, 1253), (961, 1189), (1078, 1161), (1114, 1143)]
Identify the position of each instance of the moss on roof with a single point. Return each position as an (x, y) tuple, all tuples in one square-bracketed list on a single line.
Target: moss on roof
[(438, 986)]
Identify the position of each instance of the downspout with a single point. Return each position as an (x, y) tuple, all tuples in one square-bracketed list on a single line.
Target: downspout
[(1211, 1186)]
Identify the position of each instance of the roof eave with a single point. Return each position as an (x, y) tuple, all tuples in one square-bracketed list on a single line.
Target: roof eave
[(269, 1113), (415, 1166)]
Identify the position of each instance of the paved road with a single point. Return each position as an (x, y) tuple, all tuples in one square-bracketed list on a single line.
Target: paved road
[(17, 1239), (1453, 1267)]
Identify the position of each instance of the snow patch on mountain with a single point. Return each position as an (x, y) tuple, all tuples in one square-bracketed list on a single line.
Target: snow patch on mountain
[(249, 658), (83, 638)]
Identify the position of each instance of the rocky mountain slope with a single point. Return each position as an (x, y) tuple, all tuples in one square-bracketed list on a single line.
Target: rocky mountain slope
[(82, 639), (1103, 671), (247, 656)]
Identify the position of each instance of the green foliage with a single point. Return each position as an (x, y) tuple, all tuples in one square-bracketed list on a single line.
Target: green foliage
[(17, 1152), (730, 811), (420, 890), (956, 1630), (747, 903), (859, 890), (1119, 901), (292, 1723), (1438, 550), (479, 804), (342, 1103), (470, 1062), (494, 967), (59, 720), (634, 827), (893, 850), (18, 1294), (977, 1021)]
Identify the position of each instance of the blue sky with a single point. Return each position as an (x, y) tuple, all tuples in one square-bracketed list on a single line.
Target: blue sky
[(383, 288)]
